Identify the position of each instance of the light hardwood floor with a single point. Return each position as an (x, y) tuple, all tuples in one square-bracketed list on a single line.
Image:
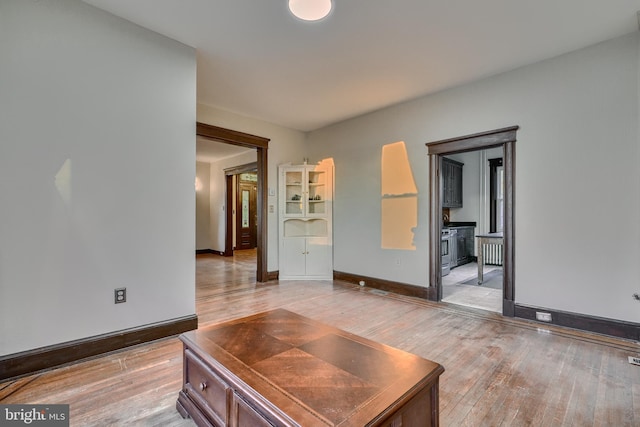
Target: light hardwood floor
[(499, 371)]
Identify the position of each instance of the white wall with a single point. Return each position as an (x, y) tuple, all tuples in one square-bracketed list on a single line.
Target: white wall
[(286, 145), (203, 205), (577, 177), (116, 104)]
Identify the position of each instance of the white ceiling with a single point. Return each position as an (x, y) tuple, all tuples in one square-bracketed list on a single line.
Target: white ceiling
[(257, 60)]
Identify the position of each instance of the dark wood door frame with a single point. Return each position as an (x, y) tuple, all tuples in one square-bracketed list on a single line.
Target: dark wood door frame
[(261, 146), (229, 202), (505, 138)]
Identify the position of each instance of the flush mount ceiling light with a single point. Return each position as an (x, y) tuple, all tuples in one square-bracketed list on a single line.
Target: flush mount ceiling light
[(310, 10)]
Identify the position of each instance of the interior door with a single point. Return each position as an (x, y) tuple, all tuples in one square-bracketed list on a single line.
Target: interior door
[(246, 215)]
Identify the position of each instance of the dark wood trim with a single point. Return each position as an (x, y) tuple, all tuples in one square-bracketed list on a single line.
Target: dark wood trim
[(385, 285), (45, 358), (273, 275), (261, 145), (600, 325), (233, 137), (505, 137), (248, 167), (228, 205), (508, 232), (262, 274), (209, 251), (508, 308), (435, 228), (476, 141)]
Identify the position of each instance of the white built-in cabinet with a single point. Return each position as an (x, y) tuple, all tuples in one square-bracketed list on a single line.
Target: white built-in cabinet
[(305, 216)]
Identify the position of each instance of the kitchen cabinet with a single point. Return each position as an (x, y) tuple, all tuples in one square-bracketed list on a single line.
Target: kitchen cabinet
[(305, 232), (451, 183), (465, 244)]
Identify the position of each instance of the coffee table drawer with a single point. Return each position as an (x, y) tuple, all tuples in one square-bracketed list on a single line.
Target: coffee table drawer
[(206, 388), (244, 414)]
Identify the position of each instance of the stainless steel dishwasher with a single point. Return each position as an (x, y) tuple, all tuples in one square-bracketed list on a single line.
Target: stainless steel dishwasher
[(445, 251), (453, 247)]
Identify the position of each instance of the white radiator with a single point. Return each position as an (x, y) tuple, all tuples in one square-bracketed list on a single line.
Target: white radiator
[(492, 254)]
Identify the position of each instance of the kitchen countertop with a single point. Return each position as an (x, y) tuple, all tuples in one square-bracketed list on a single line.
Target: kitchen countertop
[(455, 224)]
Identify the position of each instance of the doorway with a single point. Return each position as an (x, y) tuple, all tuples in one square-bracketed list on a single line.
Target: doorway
[(505, 139), (246, 213), (260, 144), (476, 213), (241, 207)]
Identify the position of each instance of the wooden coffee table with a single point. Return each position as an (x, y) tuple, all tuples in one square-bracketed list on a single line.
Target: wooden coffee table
[(281, 369)]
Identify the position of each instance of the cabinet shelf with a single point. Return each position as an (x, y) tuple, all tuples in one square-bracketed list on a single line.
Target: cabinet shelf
[(305, 228)]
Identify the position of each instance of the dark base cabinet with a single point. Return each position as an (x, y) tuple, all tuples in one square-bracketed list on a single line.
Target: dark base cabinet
[(281, 369), (465, 244)]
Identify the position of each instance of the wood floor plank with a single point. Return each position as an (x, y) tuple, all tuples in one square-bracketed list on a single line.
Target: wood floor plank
[(499, 371)]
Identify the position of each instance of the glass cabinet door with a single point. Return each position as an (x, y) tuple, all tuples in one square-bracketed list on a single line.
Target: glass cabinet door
[(294, 192), (307, 192), (317, 193)]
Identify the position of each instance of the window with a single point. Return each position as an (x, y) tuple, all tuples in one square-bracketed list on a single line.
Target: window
[(496, 196)]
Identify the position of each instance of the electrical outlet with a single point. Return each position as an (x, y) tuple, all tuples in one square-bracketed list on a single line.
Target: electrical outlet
[(543, 317), (120, 295)]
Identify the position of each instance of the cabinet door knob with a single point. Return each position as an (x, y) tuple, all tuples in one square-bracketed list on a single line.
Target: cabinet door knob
[(203, 386)]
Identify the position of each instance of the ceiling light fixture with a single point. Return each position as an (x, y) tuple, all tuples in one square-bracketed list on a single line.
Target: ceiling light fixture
[(310, 10)]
